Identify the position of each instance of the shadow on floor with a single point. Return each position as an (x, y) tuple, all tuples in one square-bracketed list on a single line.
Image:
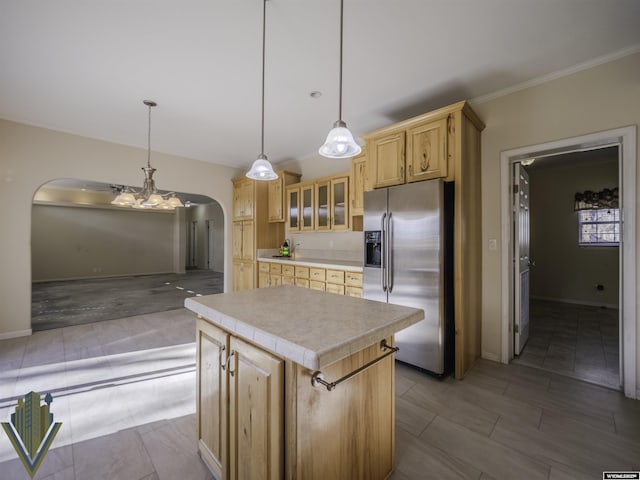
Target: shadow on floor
[(74, 302)]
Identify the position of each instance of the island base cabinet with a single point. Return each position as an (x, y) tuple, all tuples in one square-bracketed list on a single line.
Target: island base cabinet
[(256, 423), (211, 412), (347, 433)]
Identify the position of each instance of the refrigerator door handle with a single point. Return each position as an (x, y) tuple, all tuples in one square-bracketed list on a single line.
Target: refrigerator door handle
[(390, 252), (383, 253)]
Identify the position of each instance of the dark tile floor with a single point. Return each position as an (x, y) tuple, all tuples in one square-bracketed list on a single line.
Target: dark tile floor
[(579, 341), (75, 302)]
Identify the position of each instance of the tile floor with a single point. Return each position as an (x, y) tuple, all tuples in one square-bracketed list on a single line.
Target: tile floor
[(125, 392), (579, 341)]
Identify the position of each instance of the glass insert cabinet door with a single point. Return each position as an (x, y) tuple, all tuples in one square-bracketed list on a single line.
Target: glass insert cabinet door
[(322, 206), (293, 207), (339, 214), (307, 208)]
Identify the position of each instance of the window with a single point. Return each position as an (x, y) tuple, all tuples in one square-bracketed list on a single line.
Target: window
[(599, 227)]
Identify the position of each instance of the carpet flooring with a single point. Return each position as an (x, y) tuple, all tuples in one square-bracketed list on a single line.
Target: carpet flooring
[(75, 302)]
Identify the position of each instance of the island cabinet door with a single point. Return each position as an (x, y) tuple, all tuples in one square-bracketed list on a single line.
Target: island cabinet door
[(212, 347), (256, 421)]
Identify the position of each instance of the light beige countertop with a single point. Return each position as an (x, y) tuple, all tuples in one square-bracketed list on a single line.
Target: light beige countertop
[(346, 265), (309, 327)]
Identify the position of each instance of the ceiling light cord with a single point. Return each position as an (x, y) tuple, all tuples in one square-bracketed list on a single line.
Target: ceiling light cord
[(264, 36), (340, 71)]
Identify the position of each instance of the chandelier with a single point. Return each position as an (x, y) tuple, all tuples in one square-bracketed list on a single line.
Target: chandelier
[(148, 197)]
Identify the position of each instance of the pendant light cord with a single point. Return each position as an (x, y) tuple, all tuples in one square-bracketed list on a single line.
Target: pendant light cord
[(149, 140), (340, 90), (264, 29)]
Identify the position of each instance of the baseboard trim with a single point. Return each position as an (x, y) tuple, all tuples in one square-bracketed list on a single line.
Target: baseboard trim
[(576, 302), (491, 356), (16, 334)]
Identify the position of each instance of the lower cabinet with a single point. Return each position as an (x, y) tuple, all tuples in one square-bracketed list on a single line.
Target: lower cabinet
[(240, 417), (243, 275)]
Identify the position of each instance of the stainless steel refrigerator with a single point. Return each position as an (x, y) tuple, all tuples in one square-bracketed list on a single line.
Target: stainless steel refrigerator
[(408, 233)]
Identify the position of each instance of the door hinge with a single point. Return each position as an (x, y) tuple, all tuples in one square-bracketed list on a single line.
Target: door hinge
[(515, 328), (516, 188)]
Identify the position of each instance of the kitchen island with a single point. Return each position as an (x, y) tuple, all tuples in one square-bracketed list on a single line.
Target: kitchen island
[(298, 384)]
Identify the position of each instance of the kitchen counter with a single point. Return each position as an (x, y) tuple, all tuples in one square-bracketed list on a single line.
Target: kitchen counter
[(313, 329), (346, 265)]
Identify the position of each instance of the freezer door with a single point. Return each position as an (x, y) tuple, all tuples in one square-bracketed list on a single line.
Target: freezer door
[(415, 264), (374, 219)]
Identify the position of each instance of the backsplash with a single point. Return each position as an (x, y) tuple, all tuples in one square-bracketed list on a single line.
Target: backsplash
[(346, 246)]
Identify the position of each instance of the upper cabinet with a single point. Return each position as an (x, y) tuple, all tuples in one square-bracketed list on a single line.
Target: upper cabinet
[(277, 200), (357, 182), (243, 198), (321, 205), (421, 148)]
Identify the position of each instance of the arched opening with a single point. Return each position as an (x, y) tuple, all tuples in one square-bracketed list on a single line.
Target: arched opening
[(94, 261)]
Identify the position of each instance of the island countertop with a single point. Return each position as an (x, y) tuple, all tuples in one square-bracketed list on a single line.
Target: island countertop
[(308, 327)]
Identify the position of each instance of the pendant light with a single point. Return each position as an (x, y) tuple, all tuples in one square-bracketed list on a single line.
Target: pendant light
[(340, 142), (148, 197), (261, 168)]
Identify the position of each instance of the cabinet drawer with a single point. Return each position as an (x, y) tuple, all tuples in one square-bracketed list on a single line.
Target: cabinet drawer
[(302, 272), (335, 276), (275, 280), (333, 288), (288, 280), (302, 282), (353, 279), (315, 285), (263, 267), (317, 274), (289, 270), (353, 291), (275, 269)]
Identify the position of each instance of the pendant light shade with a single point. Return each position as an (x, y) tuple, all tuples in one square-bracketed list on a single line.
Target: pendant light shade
[(340, 142), (261, 168)]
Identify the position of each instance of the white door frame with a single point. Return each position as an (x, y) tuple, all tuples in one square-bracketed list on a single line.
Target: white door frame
[(625, 138)]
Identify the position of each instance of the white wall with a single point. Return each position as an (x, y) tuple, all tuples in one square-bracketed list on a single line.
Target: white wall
[(601, 98), (31, 156), (83, 242), (565, 271)]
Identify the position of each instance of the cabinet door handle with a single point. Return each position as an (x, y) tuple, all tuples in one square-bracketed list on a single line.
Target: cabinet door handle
[(401, 171), (410, 168), (220, 360), (229, 364)]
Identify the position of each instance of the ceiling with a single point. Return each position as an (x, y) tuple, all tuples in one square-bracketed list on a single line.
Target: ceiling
[(84, 66)]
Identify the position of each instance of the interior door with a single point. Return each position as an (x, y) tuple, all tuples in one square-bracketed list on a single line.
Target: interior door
[(521, 255)]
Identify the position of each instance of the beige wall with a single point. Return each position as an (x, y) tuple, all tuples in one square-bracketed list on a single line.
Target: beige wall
[(31, 156), (201, 214), (87, 242), (601, 98), (564, 270)]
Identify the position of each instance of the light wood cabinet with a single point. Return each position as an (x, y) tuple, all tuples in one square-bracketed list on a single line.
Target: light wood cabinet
[(444, 143), (251, 230), (427, 151), (256, 413), (239, 414), (331, 280), (243, 198), (277, 200), (321, 205), (211, 412), (358, 183)]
